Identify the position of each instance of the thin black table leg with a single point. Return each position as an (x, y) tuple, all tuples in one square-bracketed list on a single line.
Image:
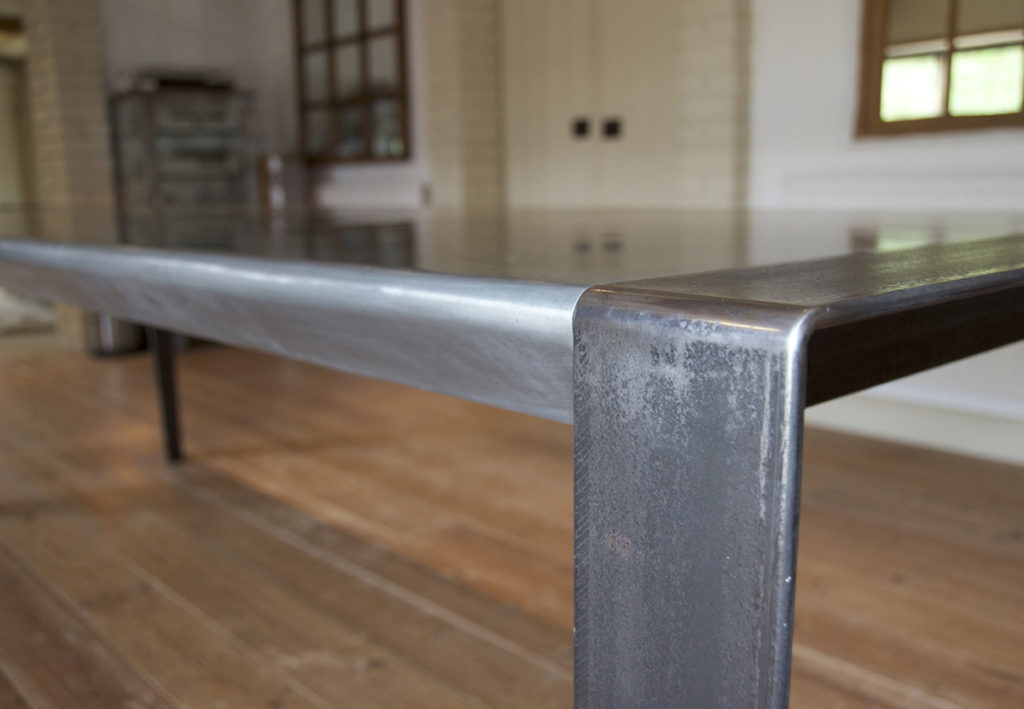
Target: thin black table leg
[(161, 346)]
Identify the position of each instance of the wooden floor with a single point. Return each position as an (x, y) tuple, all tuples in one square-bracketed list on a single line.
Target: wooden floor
[(336, 542)]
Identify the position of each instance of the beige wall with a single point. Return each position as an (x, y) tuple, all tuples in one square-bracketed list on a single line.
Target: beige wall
[(675, 73), (71, 151), (454, 49), (70, 141), (464, 86), (496, 83), (14, 134)]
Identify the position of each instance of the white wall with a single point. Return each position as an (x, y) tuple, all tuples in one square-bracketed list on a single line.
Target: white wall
[(804, 76), (804, 79), (252, 40), (71, 162)]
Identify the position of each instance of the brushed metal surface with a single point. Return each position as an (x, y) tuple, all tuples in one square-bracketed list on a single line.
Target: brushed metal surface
[(505, 342), (496, 341), (576, 246), (689, 401), (689, 416), (863, 284)]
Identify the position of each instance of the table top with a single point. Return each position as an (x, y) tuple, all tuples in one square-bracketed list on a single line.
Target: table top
[(481, 305), (566, 246)]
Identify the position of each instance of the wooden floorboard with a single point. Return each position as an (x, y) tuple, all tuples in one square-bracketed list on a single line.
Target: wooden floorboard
[(51, 656), (10, 697), (333, 541)]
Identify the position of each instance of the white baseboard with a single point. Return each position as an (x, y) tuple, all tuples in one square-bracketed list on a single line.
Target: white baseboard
[(968, 433)]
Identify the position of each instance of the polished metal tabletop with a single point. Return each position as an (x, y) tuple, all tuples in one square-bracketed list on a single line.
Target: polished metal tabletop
[(580, 247), (479, 305)]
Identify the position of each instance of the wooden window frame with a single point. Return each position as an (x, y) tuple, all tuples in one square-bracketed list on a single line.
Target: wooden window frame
[(365, 97), (869, 119)]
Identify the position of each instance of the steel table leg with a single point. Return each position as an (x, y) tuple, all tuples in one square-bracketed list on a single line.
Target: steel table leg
[(161, 345), (688, 430)]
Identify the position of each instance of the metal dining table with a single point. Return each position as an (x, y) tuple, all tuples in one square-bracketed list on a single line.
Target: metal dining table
[(682, 346)]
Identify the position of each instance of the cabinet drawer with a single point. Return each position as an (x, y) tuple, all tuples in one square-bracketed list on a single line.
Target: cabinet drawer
[(210, 192), (201, 155), (226, 114)]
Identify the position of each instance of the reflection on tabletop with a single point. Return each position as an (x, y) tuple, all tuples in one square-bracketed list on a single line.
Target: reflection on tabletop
[(568, 246)]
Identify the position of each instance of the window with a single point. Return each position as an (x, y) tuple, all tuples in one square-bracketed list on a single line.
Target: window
[(352, 87), (941, 65)]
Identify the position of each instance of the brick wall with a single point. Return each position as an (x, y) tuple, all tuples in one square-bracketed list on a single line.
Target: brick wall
[(74, 187), (67, 97)]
